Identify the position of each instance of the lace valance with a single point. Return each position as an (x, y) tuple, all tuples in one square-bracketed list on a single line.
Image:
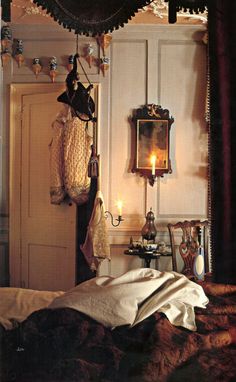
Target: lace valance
[(92, 17)]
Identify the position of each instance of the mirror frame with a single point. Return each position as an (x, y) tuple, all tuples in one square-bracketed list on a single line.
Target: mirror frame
[(152, 137)]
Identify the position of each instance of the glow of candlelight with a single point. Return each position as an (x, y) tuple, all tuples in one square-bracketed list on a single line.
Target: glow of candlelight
[(119, 206), (153, 163)]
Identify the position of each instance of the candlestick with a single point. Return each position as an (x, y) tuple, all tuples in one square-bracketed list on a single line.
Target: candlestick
[(119, 219), (153, 162), (119, 206)]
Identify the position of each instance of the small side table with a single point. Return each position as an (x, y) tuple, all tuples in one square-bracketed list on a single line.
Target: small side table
[(147, 256)]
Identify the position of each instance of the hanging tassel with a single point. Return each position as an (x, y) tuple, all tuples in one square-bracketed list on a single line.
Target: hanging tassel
[(93, 165)]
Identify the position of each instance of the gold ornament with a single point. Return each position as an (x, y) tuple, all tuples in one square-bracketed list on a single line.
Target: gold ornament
[(104, 41)]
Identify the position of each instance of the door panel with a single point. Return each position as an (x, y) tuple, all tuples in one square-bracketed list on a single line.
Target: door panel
[(48, 237)]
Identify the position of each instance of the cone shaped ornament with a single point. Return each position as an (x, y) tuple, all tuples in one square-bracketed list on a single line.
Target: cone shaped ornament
[(5, 57), (19, 53), (53, 68), (19, 59), (105, 64), (53, 74), (104, 41), (36, 66)]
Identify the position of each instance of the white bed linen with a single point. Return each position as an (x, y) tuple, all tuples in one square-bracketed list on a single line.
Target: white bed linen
[(130, 298), (17, 303)]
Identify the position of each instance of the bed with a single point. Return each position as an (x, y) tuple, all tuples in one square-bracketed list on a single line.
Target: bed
[(60, 343)]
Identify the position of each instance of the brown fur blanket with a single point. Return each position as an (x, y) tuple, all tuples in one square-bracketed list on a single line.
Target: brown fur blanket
[(65, 345)]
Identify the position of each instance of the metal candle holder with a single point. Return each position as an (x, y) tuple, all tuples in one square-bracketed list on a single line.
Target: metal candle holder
[(119, 219)]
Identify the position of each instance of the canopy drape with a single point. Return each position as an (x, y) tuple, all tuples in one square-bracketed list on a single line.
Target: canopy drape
[(222, 153), (92, 17)]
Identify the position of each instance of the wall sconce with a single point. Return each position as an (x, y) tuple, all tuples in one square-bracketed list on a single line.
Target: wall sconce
[(119, 219)]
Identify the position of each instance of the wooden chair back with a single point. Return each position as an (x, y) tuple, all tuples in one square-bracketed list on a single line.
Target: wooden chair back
[(185, 238)]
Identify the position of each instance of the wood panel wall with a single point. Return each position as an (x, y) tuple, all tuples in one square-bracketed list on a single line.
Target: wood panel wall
[(161, 64)]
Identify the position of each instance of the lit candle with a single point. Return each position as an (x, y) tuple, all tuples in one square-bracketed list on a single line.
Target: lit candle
[(119, 206), (153, 162)]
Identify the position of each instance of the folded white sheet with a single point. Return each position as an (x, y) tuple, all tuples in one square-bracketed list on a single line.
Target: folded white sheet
[(16, 304), (128, 299)]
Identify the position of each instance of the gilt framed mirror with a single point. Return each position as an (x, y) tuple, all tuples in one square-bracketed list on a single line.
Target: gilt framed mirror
[(152, 135)]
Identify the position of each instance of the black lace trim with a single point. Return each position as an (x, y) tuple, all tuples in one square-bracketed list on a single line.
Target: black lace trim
[(91, 17), (192, 6)]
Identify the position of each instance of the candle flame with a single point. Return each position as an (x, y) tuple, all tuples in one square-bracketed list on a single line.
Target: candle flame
[(153, 159)]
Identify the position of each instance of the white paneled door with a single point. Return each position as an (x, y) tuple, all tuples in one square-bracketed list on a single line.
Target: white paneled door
[(47, 238)]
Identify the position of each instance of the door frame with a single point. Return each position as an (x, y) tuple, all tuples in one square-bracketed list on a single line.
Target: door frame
[(17, 91)]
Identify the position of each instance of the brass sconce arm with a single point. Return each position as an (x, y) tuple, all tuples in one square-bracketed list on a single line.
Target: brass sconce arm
[(119, 219)]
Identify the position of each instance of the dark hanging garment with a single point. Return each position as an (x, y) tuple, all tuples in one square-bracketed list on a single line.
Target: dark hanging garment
[(83, 271)]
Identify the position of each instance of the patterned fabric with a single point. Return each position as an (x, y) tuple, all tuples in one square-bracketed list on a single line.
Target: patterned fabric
[(57, 190), (64, 345), (70, 150), (96, 247)]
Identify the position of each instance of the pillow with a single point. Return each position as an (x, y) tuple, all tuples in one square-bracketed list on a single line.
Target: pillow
[(18, 303)]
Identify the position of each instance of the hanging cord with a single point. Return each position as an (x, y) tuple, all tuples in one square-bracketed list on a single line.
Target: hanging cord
[(84, 104), (78, 58)]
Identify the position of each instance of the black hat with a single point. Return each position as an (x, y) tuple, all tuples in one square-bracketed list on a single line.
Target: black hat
[(76, 95)]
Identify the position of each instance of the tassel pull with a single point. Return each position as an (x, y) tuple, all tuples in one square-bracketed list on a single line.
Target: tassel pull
[(93, 166)]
